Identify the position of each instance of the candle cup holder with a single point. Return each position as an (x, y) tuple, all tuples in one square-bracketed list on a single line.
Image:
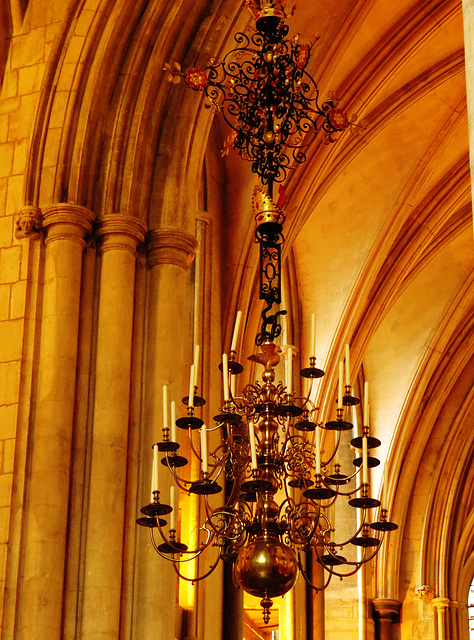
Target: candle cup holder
[(305, 424), (319, 491), (337, 478), (205, 487), (300, 482), (172, 546), (331, 559), (339, 424), (190, 421), (383, 524), (227, 414), (364, 502), (365, 540), (288, 408), (256, 485), (371, 462), (197, 400), (155, 508), (312, 372), (150, 522), (174, 461), (372, 443), (233, 366), (348, 400)]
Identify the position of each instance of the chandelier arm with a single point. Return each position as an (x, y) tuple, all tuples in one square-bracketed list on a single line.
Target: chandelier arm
[(306, 578), (343, 544), (359, 563), (194, 554), (199, 578), (181, 482)]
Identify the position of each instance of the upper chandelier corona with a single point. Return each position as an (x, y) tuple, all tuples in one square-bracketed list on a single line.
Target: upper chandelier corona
[(281, 485)]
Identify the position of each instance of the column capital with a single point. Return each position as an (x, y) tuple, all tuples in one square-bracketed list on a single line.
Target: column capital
[(441, 604), (386, 608), (120, 231), (170, 246), (66, 221)]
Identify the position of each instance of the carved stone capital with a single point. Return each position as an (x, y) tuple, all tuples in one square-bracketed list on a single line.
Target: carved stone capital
[(423, 592), (386, 608), (65, 221), (170, 246), (441, 604), (120, 232), (28, 223)]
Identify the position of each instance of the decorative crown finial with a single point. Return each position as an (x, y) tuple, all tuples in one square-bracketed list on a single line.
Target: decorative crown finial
[(271, 8)]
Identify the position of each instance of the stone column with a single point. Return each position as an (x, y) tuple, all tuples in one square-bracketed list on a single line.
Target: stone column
[(441, 606), (315, 599), (387, 611), (119, 237), (169, 253), (468, 19), (47, 492)]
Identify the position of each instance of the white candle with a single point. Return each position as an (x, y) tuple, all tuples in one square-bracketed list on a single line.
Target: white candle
[(365, 417), (155, 471), (313, 335), (225, 377), (385, 486), (253, 452), (318, 451), (235, 335), (284, 333), (165, 407), (204, 448), (174, 431), (348, 367), (341, 386), (289, 370), (365, 467), (232, 385), (191, 388), (196, 364), (173, 506)]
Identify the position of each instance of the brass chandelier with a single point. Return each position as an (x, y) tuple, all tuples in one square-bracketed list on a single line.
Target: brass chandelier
[(280, 484)]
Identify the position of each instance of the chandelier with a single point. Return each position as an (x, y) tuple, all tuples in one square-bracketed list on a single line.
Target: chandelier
[(281, 484)]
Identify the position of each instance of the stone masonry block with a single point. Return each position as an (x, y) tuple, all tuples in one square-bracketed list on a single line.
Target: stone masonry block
[(8, 455), (10, 84), (18, 300), (4, 119), (28, 48), (5, 293), (8, 420), (19, 158), (9, 105), (11, 334), (9, 382), (30, 78), (4, 524), (6, 159), (6, 231), (14, 199), (10, 259), (6, 481)]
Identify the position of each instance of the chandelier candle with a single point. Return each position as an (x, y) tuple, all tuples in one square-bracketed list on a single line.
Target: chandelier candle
[(253, 452), (348, 368), (235, 335), (204, 450), (191, 388), (154, 474), (165, 410), (196, 365), (173, 507), (340, 395), (174, 434), (225, 377), (312, 351)]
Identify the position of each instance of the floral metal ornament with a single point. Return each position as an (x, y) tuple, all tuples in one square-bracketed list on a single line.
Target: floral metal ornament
[(266, 95)]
